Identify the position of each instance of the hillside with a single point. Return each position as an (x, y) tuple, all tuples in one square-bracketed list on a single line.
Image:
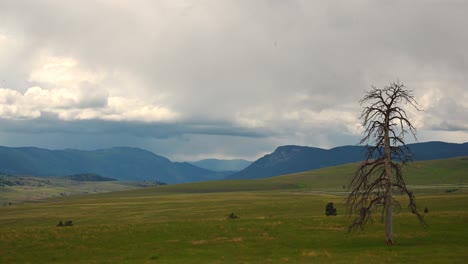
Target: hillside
[(133, 164), (87, 177), (119, 163), (292, 159), (431, 174), (18, 189)]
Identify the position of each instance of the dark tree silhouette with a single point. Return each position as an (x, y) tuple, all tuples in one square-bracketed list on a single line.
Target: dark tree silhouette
[(381, 175), (330, 209)]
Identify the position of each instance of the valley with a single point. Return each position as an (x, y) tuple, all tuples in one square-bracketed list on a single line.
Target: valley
[(280, 220)]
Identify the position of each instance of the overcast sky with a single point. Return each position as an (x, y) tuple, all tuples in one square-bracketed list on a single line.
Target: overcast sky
[(224, 79)]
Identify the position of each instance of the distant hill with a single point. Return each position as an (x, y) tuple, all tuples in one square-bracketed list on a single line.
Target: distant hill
[(442, 175), (222, 165), (87, 177), (293, 159), (133, 164), (15, 189), (120, 163)]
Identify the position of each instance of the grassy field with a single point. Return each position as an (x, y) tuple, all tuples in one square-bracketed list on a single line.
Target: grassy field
[(283, 223), (18, 189)]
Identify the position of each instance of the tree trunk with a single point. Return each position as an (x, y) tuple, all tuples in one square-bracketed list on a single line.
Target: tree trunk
[(388, 176), (388, 218)]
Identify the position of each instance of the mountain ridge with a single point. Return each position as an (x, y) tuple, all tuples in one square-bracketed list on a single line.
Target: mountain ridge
[(292, 158), (122, 163), (130, 163)]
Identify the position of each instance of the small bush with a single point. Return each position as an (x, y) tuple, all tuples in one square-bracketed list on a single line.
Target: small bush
[(232, 216), (330, 209), (67, 223)]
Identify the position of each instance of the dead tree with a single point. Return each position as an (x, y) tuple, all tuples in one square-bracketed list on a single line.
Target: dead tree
[(373, 184)]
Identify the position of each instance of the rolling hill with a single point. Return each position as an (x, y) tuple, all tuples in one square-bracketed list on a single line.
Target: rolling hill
[(20, 189), (427, 176), (133, 164), (436, 174), (292, 159), (120, 163)]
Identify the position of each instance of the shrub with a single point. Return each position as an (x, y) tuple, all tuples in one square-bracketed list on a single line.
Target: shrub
[(330, 209), (67, 223), (232, 216)]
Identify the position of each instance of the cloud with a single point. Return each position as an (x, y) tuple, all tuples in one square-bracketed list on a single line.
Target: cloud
[(199, 73), (78, 104), (61, 71), (75, 93), (11, 110), (448, 114)]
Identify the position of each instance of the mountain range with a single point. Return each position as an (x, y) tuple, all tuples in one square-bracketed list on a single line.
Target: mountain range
[(124, 163), (120, 163), (292, 159)]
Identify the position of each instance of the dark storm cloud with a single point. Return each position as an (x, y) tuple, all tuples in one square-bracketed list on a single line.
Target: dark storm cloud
[(49, 123)]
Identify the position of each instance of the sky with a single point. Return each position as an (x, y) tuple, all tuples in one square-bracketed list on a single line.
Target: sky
[(224, 78)]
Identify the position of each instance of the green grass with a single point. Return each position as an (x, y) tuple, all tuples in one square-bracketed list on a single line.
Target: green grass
[(434, 175), (274, 227), (282, 220)]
